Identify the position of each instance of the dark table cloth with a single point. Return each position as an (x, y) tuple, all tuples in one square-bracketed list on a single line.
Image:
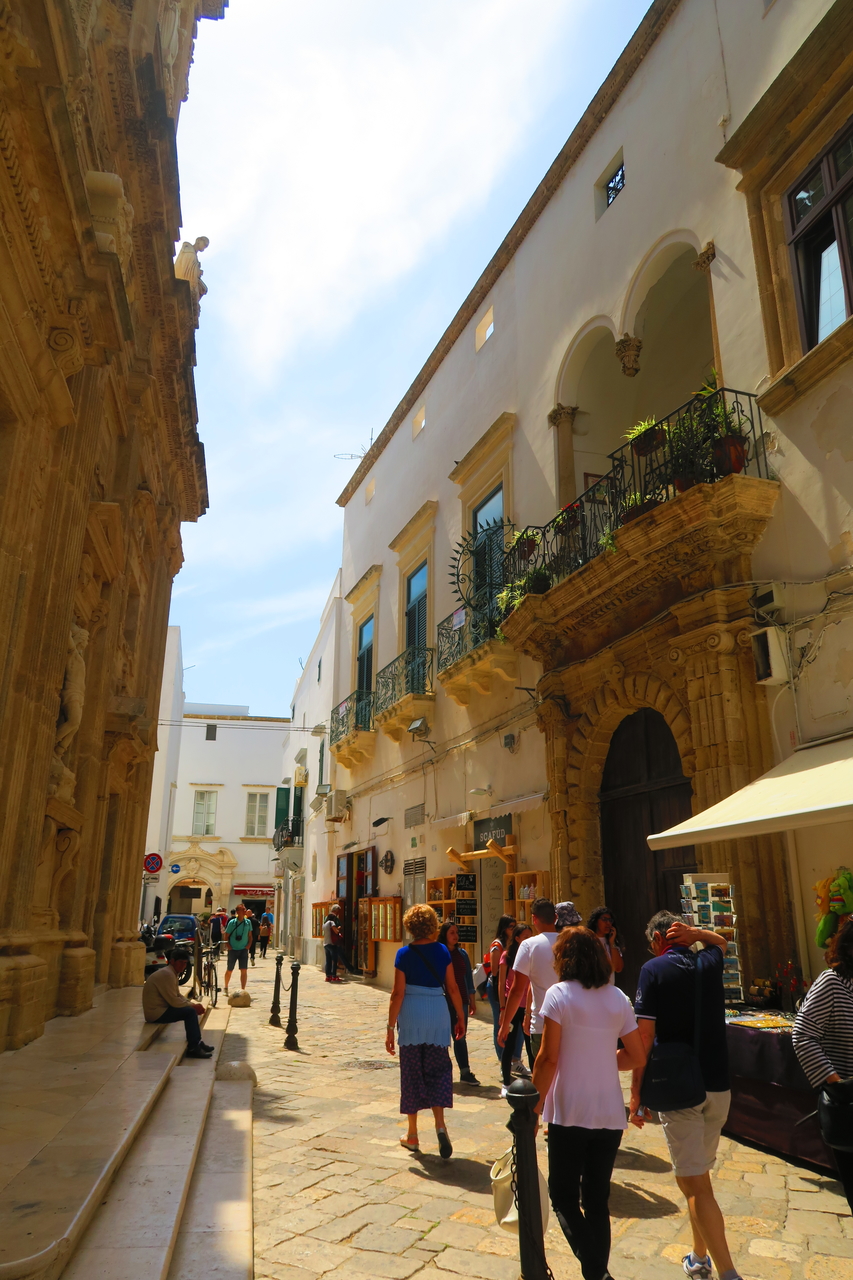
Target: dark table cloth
[(770, 1094)]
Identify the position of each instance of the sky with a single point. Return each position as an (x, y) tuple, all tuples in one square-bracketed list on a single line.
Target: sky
[(355, 165)]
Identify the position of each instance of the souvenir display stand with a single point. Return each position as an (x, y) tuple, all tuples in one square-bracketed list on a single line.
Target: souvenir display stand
[(708, 901)]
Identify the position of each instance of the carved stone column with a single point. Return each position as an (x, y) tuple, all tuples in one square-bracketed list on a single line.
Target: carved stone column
[(553, 722)]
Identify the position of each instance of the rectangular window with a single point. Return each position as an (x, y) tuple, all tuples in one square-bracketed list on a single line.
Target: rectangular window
[(614, 184), (819, 213), (419, 422), (204, 813), (210, 733), (416, 608), (364, 658), (282, 805), (321, 763), (257, 808), (488, 550), (484, 329), (319, 670)]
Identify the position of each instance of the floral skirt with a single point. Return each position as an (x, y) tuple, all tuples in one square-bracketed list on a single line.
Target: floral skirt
[(426, 1077)]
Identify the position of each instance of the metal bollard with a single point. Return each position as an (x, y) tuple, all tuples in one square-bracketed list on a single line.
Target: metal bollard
[(523, 1097), (275, 1009), (290, 1041)]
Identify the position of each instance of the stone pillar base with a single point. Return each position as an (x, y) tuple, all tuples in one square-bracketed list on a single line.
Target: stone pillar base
[(23, 981), (127, 964), (76, 981)]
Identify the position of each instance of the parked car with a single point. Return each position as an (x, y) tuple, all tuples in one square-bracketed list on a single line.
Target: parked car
[(171, 930)]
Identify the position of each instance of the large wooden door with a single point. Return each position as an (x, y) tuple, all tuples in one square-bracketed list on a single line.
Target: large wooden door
[(643, 790)]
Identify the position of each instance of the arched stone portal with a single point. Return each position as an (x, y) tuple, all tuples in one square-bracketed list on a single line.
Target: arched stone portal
[(643, 790)]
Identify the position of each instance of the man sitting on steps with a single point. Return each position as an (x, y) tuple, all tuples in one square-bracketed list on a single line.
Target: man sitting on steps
[(163, 1002)]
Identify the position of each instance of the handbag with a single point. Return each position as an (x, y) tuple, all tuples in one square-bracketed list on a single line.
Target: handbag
[(503, 1194), (673, 1077), (835, 1114)]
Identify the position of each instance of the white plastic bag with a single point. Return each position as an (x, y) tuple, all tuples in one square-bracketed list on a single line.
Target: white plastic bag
[(506, 1210)]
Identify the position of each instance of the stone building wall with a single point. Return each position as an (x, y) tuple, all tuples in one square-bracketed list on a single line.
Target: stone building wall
[(100, 461)]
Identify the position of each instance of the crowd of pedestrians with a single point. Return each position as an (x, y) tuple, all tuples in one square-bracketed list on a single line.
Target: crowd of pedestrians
[(551, 987)]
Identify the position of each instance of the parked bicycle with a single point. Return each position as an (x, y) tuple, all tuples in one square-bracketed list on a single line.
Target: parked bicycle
[(209, 974)]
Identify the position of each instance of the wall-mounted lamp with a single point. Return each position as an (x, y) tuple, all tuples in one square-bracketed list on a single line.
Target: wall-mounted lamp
[(420, 729), (481, 791), (319, 731), (350, 844), (380, 822)]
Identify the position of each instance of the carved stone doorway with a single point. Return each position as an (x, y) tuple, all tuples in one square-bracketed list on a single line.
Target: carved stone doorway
[(643, 790)]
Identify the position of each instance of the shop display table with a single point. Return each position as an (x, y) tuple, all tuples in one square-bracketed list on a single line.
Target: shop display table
[(770, 1093)]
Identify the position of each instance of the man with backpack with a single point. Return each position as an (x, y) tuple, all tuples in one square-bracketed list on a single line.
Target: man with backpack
[(680, 1010), (238, 935)]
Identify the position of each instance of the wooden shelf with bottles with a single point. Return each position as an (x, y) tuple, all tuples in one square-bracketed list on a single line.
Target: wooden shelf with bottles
[(521, 889), (443, 895)]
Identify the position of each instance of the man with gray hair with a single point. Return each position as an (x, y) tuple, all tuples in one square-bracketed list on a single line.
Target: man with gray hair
[(666, 1007)]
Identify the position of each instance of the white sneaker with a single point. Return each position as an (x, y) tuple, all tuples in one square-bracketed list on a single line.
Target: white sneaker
[(519, 1070), (699, 1270)]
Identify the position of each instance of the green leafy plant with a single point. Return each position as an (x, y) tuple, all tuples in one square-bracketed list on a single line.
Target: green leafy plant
[(633, 500), (639, 429), (533, 536), (607, 541)]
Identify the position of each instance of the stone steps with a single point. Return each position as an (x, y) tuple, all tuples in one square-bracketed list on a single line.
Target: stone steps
[(135, 1228)]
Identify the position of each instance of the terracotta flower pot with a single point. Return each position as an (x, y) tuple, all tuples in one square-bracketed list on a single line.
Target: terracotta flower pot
[(638, 509), (648, 442), (729, 455), (525, 547), (683, 483)]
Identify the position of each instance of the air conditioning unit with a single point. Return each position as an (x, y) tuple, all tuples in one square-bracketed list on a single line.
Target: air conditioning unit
[(769, 598), (336, 807), (300, 776), (771, 659), (317, 804)]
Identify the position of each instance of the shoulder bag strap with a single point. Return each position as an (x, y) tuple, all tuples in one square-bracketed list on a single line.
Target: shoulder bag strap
[(432, 970)]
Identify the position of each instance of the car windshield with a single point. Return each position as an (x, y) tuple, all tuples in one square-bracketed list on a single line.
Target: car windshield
[(178, 926)]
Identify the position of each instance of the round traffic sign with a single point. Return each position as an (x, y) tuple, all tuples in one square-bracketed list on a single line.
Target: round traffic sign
[(175, 868), (153, 863)]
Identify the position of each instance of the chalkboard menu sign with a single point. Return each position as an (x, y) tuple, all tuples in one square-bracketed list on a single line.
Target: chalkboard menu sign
[(467, 932), (466, 883), (466, 906), (496, 829)]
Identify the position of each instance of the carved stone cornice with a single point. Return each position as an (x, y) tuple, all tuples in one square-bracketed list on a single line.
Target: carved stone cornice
[(702, 262), (563, 415), (701, 540)]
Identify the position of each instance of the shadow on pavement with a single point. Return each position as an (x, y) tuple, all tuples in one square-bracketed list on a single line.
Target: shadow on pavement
[(456, 1172), (627, 1200), (629, 1158)]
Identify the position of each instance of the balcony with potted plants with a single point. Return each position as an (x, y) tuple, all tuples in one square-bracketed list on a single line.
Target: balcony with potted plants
[(351, 733), (680, 499), (404, 691), (472, 657)]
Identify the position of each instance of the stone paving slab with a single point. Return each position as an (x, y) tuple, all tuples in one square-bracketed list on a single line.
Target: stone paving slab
[(336, 1196)]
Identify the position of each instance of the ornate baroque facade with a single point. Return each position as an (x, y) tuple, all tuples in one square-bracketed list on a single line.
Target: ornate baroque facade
[(101, 461)]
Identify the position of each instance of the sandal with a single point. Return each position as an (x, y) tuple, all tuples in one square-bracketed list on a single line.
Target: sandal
[(445, 1150), (410, 1146)]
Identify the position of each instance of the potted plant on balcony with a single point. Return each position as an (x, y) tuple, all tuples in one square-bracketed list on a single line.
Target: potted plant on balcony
[(524, 543), (646, 437), (690, 460), (568, 518), (635, 505), (726, 426)]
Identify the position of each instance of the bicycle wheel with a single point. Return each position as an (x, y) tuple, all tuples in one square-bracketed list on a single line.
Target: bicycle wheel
[(212, 984)]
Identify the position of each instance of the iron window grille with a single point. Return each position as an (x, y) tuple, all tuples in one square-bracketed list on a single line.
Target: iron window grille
[(614, 184)]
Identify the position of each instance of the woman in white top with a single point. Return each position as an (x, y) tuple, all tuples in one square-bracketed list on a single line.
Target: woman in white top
[(577, 1075)]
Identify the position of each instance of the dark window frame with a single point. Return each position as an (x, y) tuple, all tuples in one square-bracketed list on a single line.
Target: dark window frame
[(804, 236), (614, 184), (364, 658)]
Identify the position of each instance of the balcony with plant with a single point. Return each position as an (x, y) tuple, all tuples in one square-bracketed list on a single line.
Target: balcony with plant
[(351, 733), (404, 691)]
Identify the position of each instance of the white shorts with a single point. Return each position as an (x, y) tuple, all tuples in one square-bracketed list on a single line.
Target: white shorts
[(693, 1134)]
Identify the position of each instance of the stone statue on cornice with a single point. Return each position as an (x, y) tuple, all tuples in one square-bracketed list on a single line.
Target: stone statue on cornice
[(188, 267)]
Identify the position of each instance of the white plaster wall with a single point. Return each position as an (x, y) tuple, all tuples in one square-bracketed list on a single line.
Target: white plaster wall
[(820, 851)]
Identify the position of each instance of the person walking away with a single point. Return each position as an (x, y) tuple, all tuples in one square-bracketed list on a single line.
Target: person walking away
[(604, 927), (823, 1032), (580, 1097), (238, 935), (666, 1012), (511, 1064), (448, 935), (535, 960), (256, 930), (217, 924), (332, 938), (264, 934), (163, 1002), (423, 973), (503, 932)]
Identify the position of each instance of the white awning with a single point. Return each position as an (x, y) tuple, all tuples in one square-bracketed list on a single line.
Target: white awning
[(521, 804), (812, 788)]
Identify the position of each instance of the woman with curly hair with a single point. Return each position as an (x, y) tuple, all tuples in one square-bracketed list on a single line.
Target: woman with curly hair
[(603, 925), (419, 1010), (823, 1031), (577, 1075)]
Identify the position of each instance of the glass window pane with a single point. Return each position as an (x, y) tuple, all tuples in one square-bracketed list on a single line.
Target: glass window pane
[(490, 510), (844, 157), (198, 814), (416, 584), (251, 810), (261, 822), (365, 634), (210, 813), (831, 311), (809, 195)]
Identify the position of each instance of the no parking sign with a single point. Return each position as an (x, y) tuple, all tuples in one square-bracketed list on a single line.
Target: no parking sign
[(153, 863)]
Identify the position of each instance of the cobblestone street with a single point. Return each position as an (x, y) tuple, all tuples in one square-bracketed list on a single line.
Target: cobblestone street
[(335, 1194)]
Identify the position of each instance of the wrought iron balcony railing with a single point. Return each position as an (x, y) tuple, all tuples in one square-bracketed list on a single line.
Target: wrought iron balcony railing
[(716, 434), (287, 833), (410, 672), (355, 712), (464, 631)]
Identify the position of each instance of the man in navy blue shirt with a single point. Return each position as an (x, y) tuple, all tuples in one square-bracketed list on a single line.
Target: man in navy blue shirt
[(665, 1009)]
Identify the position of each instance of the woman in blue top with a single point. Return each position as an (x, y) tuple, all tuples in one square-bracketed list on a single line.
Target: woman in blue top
[(419, 1012)]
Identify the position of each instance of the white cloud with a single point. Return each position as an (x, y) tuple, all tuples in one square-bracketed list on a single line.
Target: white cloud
[(266, 615), (326, 146)]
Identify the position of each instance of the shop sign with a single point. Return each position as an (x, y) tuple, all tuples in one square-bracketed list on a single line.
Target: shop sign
[(467, 932), (467, 906), (253, 890), (466, 883), (497, 829)]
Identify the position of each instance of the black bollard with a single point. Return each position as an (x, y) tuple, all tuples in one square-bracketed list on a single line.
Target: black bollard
[(523, 1097), (290, 1041), (275, 1009)]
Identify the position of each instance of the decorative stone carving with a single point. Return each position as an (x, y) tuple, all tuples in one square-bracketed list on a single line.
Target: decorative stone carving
[(66, 352), (705, 258), (188, 267), (628, 350), (73, 690), (112, 215), (563, 415)]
